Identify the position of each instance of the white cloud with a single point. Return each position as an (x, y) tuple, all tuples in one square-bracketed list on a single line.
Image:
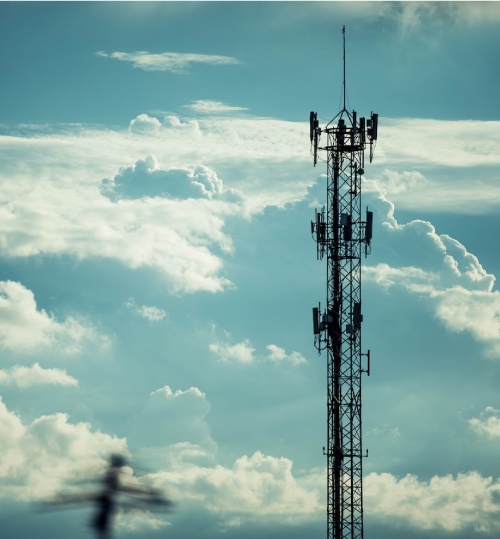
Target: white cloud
[(38, 457), (444, 503), (475, 311), (167, 392), (459, 288), (488, 424), (25, 328), (35, 375), (242, 352), (135, 520), (414, 279), (279, 355), (174, 62), (151, 313), (212, 107), (257, 486)]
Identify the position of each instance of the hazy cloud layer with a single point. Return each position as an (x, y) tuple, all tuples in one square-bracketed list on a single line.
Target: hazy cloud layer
[(206, 106)]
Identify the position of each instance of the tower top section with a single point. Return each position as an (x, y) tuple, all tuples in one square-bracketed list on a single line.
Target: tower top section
[(350, 133)]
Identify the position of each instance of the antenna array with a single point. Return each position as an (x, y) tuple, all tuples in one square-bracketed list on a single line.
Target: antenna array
[(342, 234)]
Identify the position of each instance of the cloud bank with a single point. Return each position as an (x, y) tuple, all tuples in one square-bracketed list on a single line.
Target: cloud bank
[(454, 281), (466, 501), (38, 457), (255, 487)]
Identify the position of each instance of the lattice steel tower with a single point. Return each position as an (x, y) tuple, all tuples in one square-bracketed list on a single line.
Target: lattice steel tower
[(342, 235)]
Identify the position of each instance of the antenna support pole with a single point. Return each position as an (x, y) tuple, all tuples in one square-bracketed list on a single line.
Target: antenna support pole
[(343, 42)]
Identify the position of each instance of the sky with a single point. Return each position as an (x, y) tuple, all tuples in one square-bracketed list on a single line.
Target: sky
[(157, 271)]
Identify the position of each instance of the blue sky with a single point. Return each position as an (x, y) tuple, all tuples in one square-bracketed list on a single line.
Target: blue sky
[(157, 272)]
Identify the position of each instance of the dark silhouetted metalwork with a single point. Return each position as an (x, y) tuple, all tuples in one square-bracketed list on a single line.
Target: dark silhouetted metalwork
[(342, 234)]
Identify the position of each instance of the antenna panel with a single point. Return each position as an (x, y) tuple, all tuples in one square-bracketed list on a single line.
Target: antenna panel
[(369, 226)]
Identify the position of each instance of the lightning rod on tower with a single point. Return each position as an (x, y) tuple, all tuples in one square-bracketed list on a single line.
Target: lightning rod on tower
[(342, 233)]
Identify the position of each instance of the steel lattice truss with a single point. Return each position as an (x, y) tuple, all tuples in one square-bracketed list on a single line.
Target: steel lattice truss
[(342, 236)]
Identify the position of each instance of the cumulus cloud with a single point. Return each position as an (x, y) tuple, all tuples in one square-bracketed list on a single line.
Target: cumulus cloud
[(453, 279), (467, 501), (38, 457), (279, 355), (212, 107), (149, 312), (242, 352), (488, 424), (166, 392), (175, 62), (146, 179), (145, 125), (172, 417), (25, 328), (171, 220), (256, 486), (35, 375)]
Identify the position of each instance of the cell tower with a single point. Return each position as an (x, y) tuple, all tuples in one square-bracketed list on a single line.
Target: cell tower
[(342, 235)]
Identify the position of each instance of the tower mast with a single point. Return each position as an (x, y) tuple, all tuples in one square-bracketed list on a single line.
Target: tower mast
[(341, 234)]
